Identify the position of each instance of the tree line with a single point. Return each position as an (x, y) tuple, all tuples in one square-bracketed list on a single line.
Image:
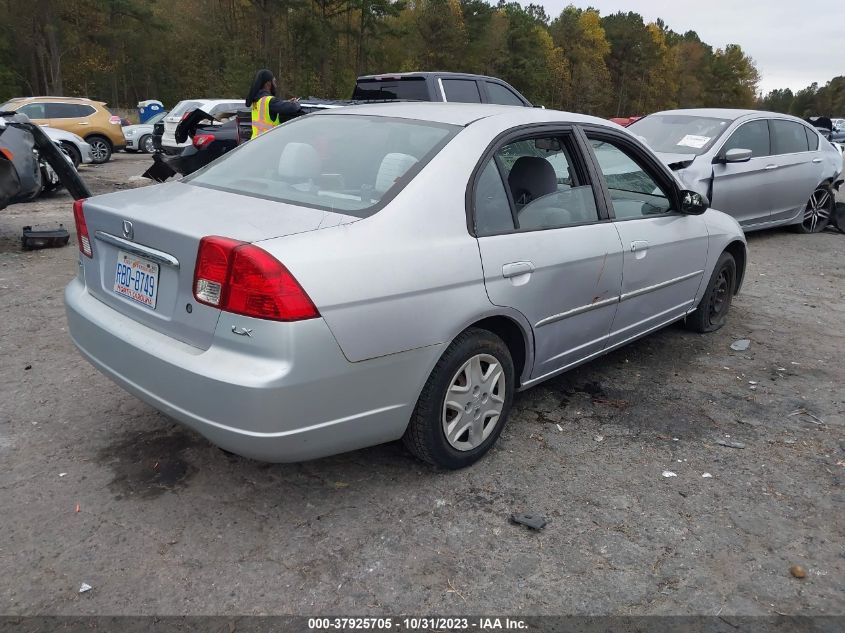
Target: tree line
[(123, 51)]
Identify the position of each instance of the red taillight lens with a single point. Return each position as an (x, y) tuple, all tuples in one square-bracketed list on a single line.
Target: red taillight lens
[(82, 229), (245, 279), (114, 120), (202, 139)]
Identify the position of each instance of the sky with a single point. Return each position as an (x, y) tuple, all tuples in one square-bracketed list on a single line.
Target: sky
[(793, 42)]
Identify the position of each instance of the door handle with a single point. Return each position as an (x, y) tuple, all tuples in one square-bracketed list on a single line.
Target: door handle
[(771, 167), (817, 160), (515, 269), (639, 245)]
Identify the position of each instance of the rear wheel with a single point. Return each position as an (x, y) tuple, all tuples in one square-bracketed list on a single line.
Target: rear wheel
[(465, 402), (100, 149), (712, 310), (818, 211)]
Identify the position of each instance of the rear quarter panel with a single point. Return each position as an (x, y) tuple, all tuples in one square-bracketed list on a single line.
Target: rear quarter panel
[(407, 277)]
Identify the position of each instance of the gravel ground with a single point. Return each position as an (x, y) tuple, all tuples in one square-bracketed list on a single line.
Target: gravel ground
[(97, 487)]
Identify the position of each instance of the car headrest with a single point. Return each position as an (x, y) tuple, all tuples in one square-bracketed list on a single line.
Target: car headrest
[(531, 177), (393, 166), (299, 162)]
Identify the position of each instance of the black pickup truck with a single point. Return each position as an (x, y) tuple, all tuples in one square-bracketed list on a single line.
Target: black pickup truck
[(413, 86)]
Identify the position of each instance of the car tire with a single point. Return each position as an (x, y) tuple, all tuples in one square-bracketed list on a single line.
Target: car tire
[(74, 154), (465, 402), (101, 149), (818, 211), (712, 311), (146, 144)]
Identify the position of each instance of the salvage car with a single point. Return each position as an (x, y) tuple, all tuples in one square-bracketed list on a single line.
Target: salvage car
[(763, 168), (378, 272), (169, 144), (89, 119), (72, 145)]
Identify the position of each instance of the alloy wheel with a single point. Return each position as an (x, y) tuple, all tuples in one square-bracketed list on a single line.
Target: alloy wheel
[(817, 213), (473, 402), (99, 150), (148, 145)]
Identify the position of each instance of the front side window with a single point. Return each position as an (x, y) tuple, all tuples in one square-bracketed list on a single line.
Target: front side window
[(461, 90), (543, 186), (635, 192), (788, 137), (344, 163), (497, 93), (753, 135)]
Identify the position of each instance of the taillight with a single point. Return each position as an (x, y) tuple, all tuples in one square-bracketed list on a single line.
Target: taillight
[(82, 229), (114, 120), (202, 139), (244, 279)]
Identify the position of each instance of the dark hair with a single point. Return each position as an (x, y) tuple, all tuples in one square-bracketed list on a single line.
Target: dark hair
[(261, 77)]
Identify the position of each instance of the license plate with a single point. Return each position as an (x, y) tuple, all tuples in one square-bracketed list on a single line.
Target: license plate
[(136, 278)]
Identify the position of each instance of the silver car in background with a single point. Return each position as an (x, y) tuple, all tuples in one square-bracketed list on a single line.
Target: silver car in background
[(763, 168), (391, 271)]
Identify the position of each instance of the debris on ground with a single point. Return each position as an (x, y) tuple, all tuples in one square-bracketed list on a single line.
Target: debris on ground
[(797, 571), (85, 587), (77, 507), (559, 427), (62, 474), (534, 521), (599, 438), (802, 411), (730, 443), (741, 345), (27, 368), (32, 239), (706, 475), (669, 473)]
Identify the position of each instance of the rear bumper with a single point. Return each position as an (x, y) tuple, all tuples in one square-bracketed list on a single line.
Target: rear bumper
[(284, 394)]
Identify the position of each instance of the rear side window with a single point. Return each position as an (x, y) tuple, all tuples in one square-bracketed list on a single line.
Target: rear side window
[(812, 139), (753, 135), (461, 90), (410, 88), (545, 189), (788, 137), (497, 93), (343, 163), (68, 110)]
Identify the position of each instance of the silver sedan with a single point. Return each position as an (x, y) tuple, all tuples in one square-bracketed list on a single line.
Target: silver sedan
[(392, 271), (763, 168)]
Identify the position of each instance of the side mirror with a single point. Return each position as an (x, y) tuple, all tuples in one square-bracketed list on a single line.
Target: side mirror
[(737, 155), (693, 203)]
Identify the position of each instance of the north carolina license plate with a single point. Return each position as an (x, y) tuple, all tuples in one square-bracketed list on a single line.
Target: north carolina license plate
[(136, 278)]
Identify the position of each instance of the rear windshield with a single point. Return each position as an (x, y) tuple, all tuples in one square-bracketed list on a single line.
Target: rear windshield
[(409, 88), (351, 164), (679, 133), (184, 106)]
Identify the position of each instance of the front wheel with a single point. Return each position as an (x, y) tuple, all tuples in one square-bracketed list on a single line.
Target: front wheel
[(100, 149), (146, 144), (712, 310), (465, 402), (72, 152), (818, 211)]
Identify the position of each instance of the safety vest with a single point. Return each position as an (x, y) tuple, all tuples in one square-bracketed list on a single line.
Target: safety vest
[(261, 120)]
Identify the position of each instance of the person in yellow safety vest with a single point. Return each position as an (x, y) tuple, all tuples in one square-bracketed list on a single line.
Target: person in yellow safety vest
[(268, 110)]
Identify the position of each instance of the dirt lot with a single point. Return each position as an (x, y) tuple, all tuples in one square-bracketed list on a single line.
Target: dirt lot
[(100, 488)]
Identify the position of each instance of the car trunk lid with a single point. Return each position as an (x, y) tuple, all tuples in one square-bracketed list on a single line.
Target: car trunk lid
[(161, 227)]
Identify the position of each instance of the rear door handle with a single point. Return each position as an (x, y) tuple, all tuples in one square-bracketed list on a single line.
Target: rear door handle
[(771, 167), (515, 269), (817, 160)]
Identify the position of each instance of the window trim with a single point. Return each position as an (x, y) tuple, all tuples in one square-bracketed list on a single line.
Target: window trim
[(717, 157), (522, 132), (643, 158), (486, 95)]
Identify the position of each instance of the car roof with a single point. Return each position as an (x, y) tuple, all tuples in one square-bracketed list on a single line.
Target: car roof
[(464, 113), (209, 101), (427, 73), (85, 100), (731, 114)]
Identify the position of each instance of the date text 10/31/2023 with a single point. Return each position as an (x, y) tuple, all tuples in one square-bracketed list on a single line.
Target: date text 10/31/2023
[(417, 624)]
